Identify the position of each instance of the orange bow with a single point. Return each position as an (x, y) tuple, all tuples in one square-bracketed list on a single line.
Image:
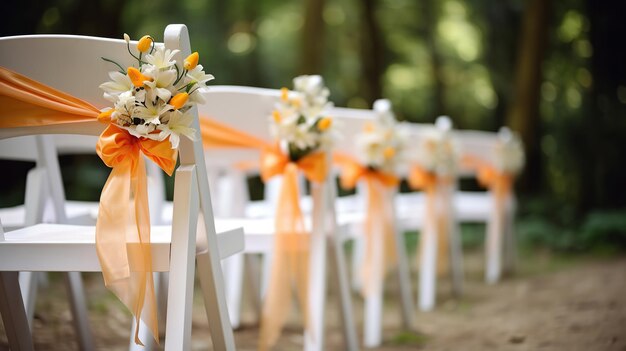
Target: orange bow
[(291, 245), (122, 229), (436, 217), (379, 223)]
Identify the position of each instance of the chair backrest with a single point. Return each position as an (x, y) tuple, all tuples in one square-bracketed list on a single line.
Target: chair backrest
[(247, 109), (71, 64), (477, 144)]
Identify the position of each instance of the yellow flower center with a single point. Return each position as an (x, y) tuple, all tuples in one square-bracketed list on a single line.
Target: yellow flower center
[(179, 100), (369, 127), (324, 123), (389, 152)]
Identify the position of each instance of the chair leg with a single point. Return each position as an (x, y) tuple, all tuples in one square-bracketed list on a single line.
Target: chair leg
[(358, 252), (345, 298), (456, 257), (29, 284), (76, 294), (252, 272), (510, 242), (266, 272), (493, 247), (233, 279), (314, 337), (372, 319), (428, 263), (404, 279), (182, 267), (13, 313)]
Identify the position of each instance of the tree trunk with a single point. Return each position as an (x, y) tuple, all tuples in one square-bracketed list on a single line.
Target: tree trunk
[(431, 15), (312, 38), (523, 115), (601, 163), (371, 53)]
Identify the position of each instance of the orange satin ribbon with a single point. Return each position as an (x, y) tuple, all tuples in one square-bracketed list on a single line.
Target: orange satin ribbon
[(28, 103), (122, 232), (123, 227), (216, 135), (500, 183), (379, 223), (290, 262), (436, 216)]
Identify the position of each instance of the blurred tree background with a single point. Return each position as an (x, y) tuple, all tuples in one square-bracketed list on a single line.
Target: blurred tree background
[(555, 71)]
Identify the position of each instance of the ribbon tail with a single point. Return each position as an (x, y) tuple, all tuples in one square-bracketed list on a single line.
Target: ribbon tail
[(374, 265), (443, 228), (429, 230), (289, 264), (141, 255)]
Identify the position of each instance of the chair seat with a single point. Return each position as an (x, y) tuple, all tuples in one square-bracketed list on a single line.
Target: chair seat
[(78, 212), (470, 206), (66, 248)]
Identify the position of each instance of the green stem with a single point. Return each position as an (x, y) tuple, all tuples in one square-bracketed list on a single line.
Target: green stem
[(115, 63)]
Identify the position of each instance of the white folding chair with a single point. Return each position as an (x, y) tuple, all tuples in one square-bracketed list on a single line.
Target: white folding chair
[(350, 123), (412, 213), (45, 201), (49, 247), (479, 206), (248, 109)]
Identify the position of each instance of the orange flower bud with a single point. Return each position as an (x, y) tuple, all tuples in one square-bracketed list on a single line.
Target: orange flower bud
[(389, 152), (191, 61), (284, 94), (324, 123), (179, 100), (105, 116), (136, 76), (144, 43), (277, 117)]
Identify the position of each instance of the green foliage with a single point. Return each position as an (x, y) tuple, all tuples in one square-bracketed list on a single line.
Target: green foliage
[(545, 224)]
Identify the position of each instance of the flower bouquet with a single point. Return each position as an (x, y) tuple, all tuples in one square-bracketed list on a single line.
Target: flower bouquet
[(509, 153), (153, 99), (436, 152), (297, 121), (382, 144)]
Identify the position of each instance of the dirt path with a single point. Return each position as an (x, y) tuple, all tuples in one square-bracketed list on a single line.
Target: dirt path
[(548, 306)]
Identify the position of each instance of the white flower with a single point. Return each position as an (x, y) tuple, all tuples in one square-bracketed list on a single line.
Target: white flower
[(509, 154), (198, 76), (124, 107), (151, 113), (119, 83), (437, 152), (161, 58), (303, 137), (179, 123), (160, 85), (313, 95)]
